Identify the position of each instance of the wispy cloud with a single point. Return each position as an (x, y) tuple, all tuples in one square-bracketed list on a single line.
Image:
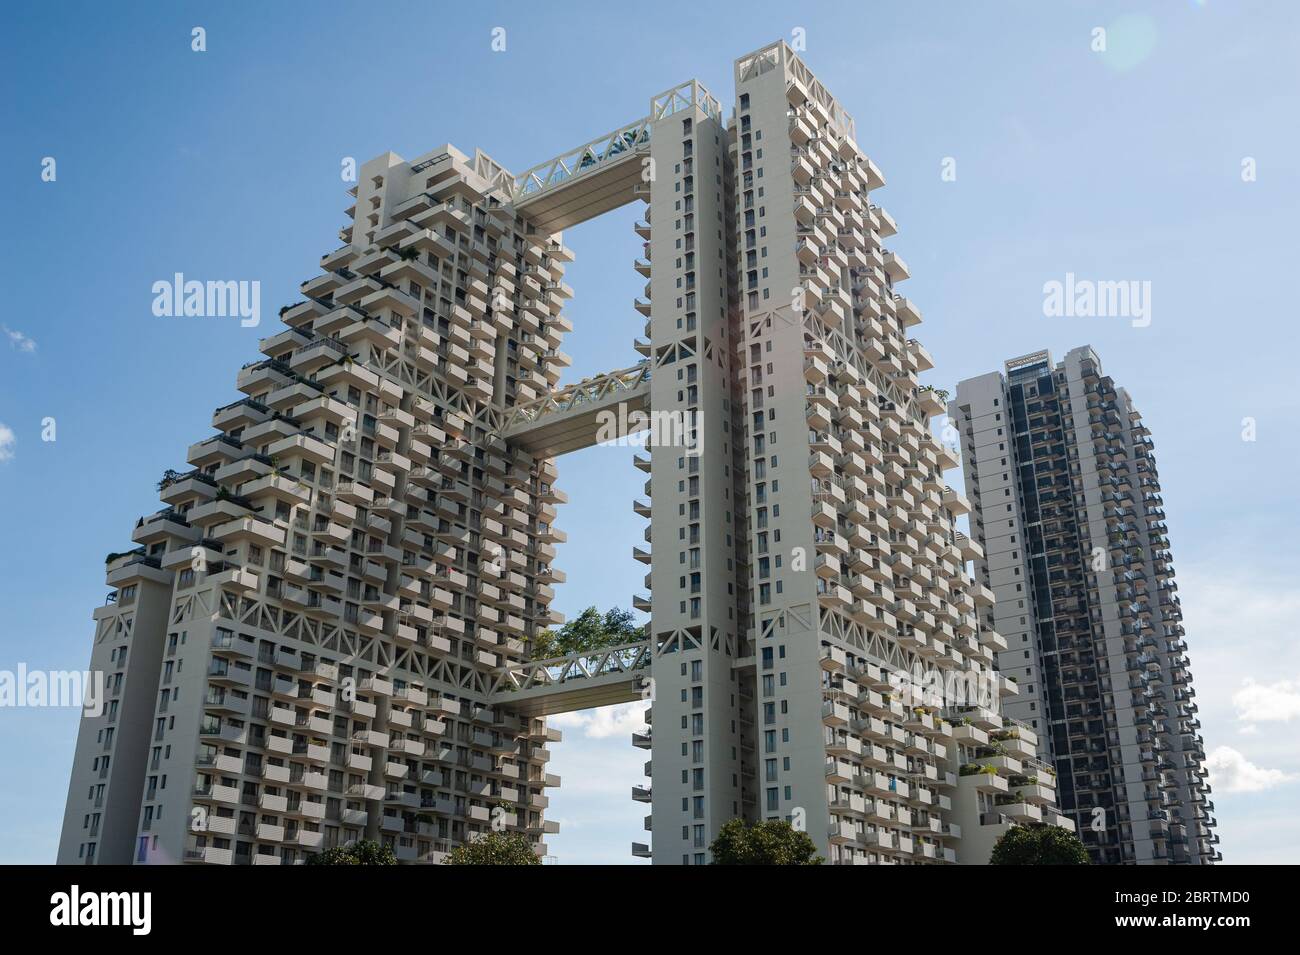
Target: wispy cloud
[(19, 340), (1241, 634), (599, 821), (1267, 702), (1240, 630), (7, 442), (1233, 773), (624, 719)]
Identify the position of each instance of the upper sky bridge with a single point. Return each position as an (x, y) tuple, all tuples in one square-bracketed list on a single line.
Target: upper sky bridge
[(603, 173)]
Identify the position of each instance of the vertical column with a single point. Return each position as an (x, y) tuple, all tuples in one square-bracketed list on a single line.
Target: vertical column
[(112, 751), (696, 740)]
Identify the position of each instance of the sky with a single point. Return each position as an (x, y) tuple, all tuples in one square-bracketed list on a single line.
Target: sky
[(1016, 151)]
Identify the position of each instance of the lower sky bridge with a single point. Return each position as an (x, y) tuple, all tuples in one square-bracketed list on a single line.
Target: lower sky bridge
[(578, 681)]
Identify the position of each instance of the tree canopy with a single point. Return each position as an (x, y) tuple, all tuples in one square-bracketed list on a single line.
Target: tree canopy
[(588, 632), (495, 848), (771, 842), (366, 852), (1039, 844)]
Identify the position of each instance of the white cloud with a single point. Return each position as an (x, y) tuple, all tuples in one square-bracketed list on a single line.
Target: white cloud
[(19, 340), (1267, 702), (1240, 605), (1241, 638), (599, 820), (1233, 773), (596, 777), (622, 719), (7, 441)]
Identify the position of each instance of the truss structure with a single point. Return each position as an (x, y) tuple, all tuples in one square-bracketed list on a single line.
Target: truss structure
[(607, 389), (601, 152), (775, 55), (625, 658), (684, 96), (592, 155)]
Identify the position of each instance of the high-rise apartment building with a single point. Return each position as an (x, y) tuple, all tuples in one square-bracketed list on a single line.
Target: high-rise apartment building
[(1067, 506), (326, 633), (300, 648)]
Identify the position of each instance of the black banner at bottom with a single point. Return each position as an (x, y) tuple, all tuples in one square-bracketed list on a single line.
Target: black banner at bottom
[(198, 904)]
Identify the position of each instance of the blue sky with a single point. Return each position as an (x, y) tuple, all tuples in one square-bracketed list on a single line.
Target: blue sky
[(1122, 165)]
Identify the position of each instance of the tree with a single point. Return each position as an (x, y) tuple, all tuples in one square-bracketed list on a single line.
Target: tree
[(366, 852), (1039, 844), (495, 848), (587, 633), (772, 842)]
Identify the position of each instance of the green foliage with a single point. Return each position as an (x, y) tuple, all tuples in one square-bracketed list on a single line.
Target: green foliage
[(367, 852), (771, 842), (495, 848), (587, 633), (1039, 844)]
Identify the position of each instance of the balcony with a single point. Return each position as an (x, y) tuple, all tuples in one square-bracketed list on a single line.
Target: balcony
[(354, 817), (1022, 744), (209, 855), (833, 659), (163, 525), (879, 839), (838, 771), (841, 832), (1021, 812), (236, 579), (835, 713), (269, 832), (359, 762), (251, 529), (365, 791), (308, 839), (983, 780), (1003, 765)]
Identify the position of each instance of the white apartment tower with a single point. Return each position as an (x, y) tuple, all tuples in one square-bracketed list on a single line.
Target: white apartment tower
[(1067, 506), (325, 635)]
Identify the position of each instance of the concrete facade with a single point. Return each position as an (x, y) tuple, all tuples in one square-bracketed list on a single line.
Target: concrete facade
[(1062, 478), (345, 590)]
